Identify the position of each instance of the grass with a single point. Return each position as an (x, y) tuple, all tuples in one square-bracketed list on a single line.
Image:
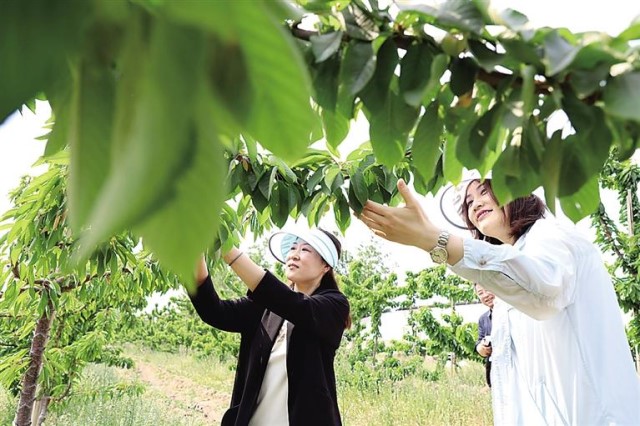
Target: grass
[(455, 399), (120, 410)]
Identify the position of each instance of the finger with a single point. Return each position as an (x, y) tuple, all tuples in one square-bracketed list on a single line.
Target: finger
[(371, 216), (377, 208), (379, 233), (410, 200)]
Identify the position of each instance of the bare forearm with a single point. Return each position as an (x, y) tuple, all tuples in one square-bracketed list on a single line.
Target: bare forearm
[(247, 270)]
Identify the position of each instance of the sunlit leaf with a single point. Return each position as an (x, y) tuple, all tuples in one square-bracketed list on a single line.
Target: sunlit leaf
[(153, 140)]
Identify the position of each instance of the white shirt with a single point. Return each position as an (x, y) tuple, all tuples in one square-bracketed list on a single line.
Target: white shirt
[(560, 354), (273, 407)]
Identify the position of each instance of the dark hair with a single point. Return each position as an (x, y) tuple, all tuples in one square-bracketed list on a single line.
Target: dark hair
[(329, 280), (521, 213)]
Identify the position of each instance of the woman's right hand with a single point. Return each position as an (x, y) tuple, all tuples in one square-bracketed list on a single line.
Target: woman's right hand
[(407, 225)]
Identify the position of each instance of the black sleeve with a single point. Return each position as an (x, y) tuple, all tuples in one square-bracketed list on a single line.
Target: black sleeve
[(324, 313), (235, 315)]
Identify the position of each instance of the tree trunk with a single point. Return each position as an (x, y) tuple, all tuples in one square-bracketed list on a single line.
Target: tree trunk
[(30, 379)]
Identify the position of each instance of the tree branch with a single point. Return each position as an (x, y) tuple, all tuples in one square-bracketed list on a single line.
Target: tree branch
[(404, 41)]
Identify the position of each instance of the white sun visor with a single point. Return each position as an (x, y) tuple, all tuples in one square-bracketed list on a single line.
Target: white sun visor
[(280, 243)]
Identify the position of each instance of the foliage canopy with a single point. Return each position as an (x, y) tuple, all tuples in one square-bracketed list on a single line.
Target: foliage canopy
[(160, 102)]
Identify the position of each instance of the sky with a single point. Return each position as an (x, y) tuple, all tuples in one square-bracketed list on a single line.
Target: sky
[(19, 149)]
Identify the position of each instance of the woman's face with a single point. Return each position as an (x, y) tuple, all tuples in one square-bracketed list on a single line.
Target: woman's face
[(304, 264), (485, 214)]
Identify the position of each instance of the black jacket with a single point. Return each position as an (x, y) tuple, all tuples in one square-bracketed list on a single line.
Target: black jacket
[(484, 329), (317, 323)]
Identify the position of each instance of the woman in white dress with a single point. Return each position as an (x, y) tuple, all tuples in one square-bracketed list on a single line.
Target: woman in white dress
[(560, 354)]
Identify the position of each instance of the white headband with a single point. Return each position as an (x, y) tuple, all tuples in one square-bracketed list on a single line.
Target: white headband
[(280, 244)]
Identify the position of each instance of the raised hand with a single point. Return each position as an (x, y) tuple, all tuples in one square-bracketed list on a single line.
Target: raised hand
[(407, 225)]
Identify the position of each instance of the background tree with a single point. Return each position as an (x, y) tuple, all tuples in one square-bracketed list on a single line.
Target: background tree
[(619, 238), (446, 337), (56, 318), (148, 94)]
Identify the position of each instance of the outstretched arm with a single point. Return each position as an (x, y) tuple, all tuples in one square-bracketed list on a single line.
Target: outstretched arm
[(408, 225)]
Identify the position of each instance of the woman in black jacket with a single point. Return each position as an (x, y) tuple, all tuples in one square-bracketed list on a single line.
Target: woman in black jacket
[(289, 333)]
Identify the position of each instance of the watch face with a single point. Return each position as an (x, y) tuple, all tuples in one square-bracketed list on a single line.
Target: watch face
[(439, 254)]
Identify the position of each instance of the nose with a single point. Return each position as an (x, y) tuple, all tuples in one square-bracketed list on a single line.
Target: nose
[(475, 204), (294, 253)]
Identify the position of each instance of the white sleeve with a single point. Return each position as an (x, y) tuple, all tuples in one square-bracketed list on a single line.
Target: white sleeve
[(536, 276)]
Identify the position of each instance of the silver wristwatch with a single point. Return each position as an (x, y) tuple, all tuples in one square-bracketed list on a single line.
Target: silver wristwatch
[(439, 253)]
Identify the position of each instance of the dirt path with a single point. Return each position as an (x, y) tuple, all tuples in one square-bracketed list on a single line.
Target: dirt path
[(184, 396)]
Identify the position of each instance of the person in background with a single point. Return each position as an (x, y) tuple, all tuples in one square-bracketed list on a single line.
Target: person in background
[(483, 344), (559, 350), (289, 332)]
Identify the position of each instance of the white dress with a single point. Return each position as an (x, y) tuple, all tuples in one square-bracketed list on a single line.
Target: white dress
[(560, 354)]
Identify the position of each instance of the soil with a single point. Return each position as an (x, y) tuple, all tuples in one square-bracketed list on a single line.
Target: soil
[(185, 397)]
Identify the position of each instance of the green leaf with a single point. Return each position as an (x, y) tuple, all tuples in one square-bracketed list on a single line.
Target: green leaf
[(552, 165), (375, 94), (415, 70), (452, 168), (513, 175), (32, 60), (522, 52), (186, 225), (558, 53), (427, 142), (282, 116), (359, 186), (325, 45), (354, 202), (463, 75), (153, 140), (389, 129), (482, 137), (582, 203), (341, 212), (631, 33), (358, 66), (284, 170), (585, 83), (336, 127), (438, 67), (461, 14), (280, 206), (315, 179), (42, 304), (622, 96), (90, 130), (325, 82), (486, 57), (231, 84)]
